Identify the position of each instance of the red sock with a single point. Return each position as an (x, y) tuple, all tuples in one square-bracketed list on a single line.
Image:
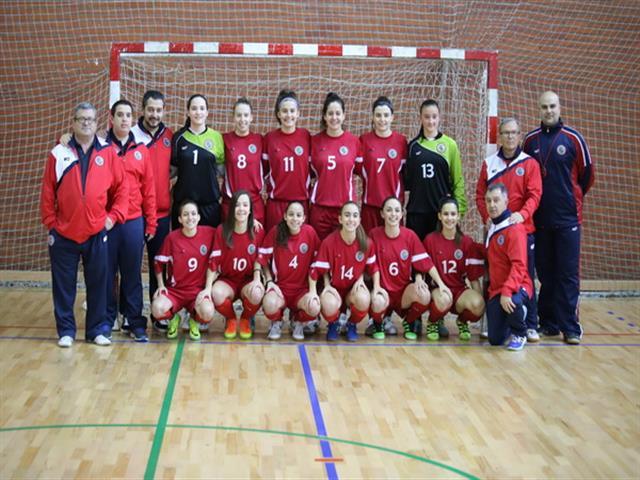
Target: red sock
[(376, 316), (434, 313), (356, 315), (167, 316), (226, 309), (249, 309), (200, 320), (331, 318), (415, 310), (468, 316), (274, 317), (302, 316)]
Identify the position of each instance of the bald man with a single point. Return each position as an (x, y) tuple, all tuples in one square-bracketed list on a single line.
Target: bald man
[(567, 175)]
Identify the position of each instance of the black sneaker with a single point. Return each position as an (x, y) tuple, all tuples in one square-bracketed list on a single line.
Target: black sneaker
[(443, 332), (160, 325), (417, 327), (549, 332)]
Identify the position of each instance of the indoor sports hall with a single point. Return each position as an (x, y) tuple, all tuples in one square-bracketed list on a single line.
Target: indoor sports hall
[(388, 408)]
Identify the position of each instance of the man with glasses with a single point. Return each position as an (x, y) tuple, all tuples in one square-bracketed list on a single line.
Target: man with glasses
[(520, 174), (567, 175), (84, 194)]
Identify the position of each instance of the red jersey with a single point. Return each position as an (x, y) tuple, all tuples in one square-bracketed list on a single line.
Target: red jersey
[(235, 262), (243, 164), (287, 159), (333, 161), (398, 256), (521, 176), (382, 161), (506, 246), (159, 145), (345, 263), (290, 265), (186, 258), (139, 172), (78, 212), (455, 262)]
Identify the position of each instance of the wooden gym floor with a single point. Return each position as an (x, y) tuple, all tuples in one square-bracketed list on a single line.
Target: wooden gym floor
[(261, 409)]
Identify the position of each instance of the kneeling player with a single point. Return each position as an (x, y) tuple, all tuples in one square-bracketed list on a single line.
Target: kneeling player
[(185, 254), (458, 258), (232, 261), (398, 251), (342, 260), (286, 255)]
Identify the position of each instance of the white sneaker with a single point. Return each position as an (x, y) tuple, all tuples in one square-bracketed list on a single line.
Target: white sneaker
[(65, 342), (298, 331), (389, 327), (342, 324), (203, 327), (311, 327), (275, 332), (532, 335), (116, 324), (102, 341)]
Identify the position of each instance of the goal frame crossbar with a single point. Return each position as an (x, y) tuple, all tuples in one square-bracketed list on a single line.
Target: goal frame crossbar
[(490, 57)]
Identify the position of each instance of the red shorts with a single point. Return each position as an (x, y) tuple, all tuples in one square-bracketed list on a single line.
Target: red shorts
[(395, 303), (276, 209), (183, 298), (324, 219), (370, 217), (258, 208), (456, 295), (235, 286)]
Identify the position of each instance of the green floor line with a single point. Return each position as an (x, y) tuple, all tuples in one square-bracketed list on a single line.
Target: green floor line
[(152, 463)]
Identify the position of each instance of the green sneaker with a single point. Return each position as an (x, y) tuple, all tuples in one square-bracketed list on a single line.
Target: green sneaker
[(409, 334), (172, 328), (378, 332), (463, 330), (194, 330), (432, 331)]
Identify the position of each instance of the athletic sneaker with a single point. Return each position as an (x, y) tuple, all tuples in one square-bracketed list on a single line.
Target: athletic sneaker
[(124, 326), (463, 330), (417, 327), (160, 325), (484, 329), (572, 339), (231, 329), (352, 332), (409, 334), (516, 343), (65, 341), (532, 335), (298, 331), (245, 329), (311, 327), (184, 322), (549, 332), (194, 330), (371, 328), (139, 334), (342, 322), (389, 327), (432, 331), (378, 331), (275, 332), (332, 332), (203, 327), (172, 327), (102, 341), (443, 331), (116, 324)]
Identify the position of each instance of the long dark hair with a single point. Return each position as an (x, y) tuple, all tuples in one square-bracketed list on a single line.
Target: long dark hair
[(282, 230), (329, 99), (361, 235), (453, 201), (187, 122), (427, 103), (230, 222), (282, 96)]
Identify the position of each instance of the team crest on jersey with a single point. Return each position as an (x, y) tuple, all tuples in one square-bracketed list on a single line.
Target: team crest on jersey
[(520, 171), (99, 161), (457, 254), (251, 249), (561, 149), (298, 150), (166, 142), (441, 147), (304, 248), (137, 155), (404, 254), (393, 153), (253, 148), (51, 240), (203, 249), (359, 256), (501, 240), (343, 150), (208, 144)]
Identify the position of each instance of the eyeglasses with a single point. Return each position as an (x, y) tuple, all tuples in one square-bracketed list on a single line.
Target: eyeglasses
[(85, 119), (510, 133)]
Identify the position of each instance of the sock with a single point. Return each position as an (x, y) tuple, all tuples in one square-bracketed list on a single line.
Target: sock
[(376, 316), (468, 316), (302, 316), (274, 317), (356, 315), (226, 309), (415, 310), (249, 309), (434, 313), (331, 318)]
